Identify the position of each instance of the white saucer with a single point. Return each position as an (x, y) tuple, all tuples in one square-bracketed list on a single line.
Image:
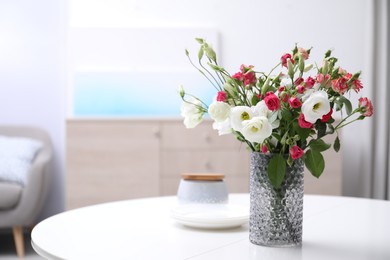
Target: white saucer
[(211, 215)]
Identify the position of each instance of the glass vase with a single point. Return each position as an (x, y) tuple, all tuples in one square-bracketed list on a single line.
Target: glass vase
[(275, 214)]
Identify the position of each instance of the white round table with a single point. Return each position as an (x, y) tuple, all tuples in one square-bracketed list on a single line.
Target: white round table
[(333, 228)]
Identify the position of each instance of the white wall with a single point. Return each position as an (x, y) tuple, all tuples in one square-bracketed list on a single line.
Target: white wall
[(32, 45), (254, 32)]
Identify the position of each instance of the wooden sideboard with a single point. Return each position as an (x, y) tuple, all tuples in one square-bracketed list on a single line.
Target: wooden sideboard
[(118, 159)]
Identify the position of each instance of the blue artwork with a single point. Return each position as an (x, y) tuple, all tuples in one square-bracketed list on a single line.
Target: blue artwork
[(135, 93)]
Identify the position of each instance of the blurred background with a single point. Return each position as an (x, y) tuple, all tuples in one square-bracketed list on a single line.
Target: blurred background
[(102, 77)]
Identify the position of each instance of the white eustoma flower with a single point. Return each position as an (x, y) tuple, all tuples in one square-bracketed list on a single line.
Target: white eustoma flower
[(219, 111), (223, 128), (286, 81), (239, 114), (256, 129), (316, 106), (261, 109), (310, 91), (192, 113)]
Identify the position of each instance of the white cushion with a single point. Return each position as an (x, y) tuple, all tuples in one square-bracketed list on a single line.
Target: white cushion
[(16, 157)]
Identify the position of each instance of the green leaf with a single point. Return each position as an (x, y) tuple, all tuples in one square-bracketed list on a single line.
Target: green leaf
[(321, 129), (319, 145), (314, 162), (341, 102), (336, 145), (302, 132), (277, 170), (286, 114)]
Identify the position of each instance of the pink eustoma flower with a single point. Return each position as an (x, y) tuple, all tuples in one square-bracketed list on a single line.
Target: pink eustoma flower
[(300, 89), (303, 123), (222, 96), (272, 101), (238, 76), (264, 148), (298, 81), (357, 85), (309, 82), (325, 118), (304, 52), (295, 102), (321, 79), (296, 152), (284, 59), (249, 78), (366, 107), (340, 85)]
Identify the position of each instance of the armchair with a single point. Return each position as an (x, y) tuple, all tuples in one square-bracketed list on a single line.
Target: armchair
[(21, 205)]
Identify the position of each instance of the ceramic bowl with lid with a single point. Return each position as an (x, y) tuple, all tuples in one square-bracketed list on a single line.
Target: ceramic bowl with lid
[(202, 188)]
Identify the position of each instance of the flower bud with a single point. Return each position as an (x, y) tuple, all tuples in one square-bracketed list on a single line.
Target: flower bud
[(228, 88), (301, 63), (325, 68), (265, 86), (290, 67), (210, 53), (308, 68), (284, 96), (181, 92)]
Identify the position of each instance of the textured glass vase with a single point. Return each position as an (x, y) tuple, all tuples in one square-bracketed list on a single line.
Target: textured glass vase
[(275, 214)]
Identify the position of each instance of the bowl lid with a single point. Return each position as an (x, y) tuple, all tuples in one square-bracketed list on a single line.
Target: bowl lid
[(203, 176)]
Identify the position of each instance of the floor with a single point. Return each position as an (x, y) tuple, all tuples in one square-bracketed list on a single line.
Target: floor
[(7, 247)]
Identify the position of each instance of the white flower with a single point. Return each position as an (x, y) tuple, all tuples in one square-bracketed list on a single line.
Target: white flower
[(261, 109), (192, 113), (286, 81), (257, 129), (316, 106), (223, 128), (219, 111), (239, 114)]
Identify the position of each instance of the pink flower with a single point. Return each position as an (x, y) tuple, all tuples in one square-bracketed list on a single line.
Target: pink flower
[(264, 148), (321, 79), (325, 118), (366, 107), (296, 152), (245, 75), (340, 85), (309, 82), (304, 53), (238, 76), (295, 102), (303, 123), (284, 59), (272, 101), (298, 81), (300, 89), (245, 68), (357, 85), (222, 96), (284, 96), (249, 78)]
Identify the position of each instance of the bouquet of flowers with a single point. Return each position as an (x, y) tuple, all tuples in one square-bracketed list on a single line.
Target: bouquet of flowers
[(286, 113)]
